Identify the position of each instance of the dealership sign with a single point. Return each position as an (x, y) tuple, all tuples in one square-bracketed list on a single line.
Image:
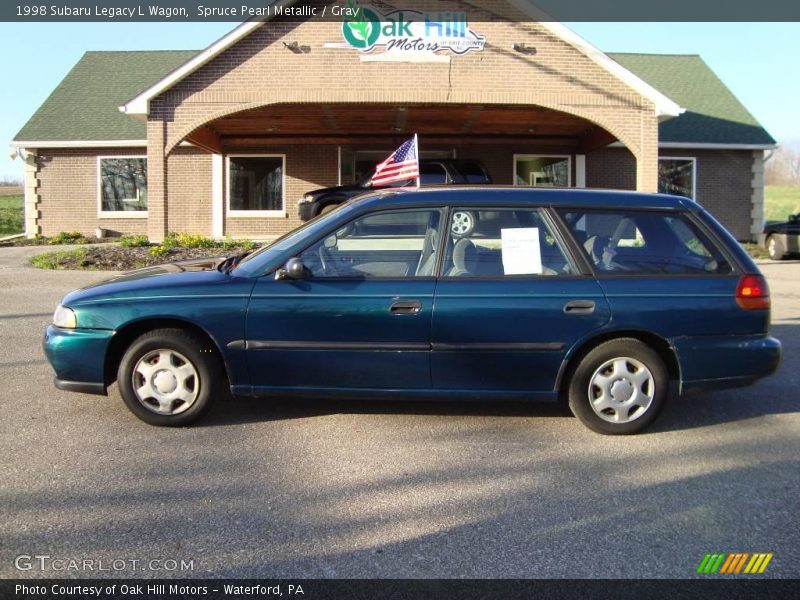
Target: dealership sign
[(409, 31)]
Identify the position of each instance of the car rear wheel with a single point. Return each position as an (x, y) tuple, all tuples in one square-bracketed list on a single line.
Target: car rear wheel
[(775, 248), (169, 377), (619, 387)]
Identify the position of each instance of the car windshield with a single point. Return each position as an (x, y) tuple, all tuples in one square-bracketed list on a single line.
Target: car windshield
[(472, 171), (250, 264)]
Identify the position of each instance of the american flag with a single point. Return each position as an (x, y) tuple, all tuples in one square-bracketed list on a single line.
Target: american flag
[(402, 165)]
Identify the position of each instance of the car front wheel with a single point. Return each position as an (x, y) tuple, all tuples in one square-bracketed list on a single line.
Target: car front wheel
[(775, 248), (619, 387), (169, 377)]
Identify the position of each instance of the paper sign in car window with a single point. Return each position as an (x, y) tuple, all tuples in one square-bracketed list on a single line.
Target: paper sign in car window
[(521, 252)]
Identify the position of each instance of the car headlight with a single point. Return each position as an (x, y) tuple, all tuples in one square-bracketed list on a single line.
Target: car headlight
[(65, 318), (307, 198)]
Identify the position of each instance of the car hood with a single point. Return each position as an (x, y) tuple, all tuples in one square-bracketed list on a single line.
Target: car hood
[(167, 279), (793, 224)]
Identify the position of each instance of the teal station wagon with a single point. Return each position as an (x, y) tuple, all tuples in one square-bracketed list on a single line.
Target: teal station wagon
[(607, 300)]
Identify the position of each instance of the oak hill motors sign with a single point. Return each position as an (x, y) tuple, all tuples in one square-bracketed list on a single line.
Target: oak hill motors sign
[(409, 31)]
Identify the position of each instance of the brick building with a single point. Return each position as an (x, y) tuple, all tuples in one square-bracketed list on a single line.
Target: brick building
[(225, 141)]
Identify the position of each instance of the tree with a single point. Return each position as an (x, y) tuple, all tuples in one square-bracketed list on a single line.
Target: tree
[(784, 166)]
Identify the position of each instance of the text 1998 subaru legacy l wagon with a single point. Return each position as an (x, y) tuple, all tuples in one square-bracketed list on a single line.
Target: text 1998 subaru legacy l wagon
[(604, 298)]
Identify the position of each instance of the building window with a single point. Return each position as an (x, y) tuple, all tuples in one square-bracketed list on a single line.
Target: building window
[(123, 184), (677, 176), (542, 171), (256, 185)]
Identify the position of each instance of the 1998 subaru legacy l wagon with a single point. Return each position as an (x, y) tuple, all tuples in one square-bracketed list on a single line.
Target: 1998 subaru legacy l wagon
[(603, 298)]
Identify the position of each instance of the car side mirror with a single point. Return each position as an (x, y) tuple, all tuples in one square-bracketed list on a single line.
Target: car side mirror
[(294, 269)]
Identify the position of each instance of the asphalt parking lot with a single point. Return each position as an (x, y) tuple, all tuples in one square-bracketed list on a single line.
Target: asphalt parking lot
[(321, 489)]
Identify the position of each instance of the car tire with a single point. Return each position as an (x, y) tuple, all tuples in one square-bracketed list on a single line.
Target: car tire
[(169, 377), (462, 224), (619, 387), (775, 248)]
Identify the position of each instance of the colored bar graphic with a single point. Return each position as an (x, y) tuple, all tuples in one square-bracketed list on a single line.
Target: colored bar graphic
[(733, 563)]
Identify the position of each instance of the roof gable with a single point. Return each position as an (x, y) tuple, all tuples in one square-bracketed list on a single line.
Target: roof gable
[(664, 106), (84, 106), (713, 114)]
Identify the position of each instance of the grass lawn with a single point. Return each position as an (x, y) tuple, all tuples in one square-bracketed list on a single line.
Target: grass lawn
[(11, 218), (780, 202)]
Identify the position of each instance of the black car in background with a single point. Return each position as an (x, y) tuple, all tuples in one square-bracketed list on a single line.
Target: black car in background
[(432, 172), (783, 239)]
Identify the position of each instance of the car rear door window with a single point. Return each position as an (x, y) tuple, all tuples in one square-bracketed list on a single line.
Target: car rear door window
[(650, 242), (504, 243)]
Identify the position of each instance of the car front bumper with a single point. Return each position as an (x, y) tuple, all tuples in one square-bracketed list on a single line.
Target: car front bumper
[(78, 358)]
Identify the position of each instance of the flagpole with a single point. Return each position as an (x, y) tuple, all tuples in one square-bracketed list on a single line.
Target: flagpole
[(416, 148)]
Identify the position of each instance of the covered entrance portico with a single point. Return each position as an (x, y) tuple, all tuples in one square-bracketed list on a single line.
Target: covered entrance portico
[(532, 118), (260, 154)]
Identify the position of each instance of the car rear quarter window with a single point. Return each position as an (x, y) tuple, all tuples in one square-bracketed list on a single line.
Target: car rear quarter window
[(644, 242)]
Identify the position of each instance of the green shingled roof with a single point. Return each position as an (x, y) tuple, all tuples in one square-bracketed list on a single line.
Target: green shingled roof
[(713, 114), (85, 104)]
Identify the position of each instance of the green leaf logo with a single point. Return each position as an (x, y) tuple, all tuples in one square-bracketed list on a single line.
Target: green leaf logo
[(364, 30)]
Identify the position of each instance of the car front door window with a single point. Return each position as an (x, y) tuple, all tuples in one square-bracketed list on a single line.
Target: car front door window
[(392, 244)]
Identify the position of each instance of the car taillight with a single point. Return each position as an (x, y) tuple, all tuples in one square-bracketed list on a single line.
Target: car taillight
[(752, 293)]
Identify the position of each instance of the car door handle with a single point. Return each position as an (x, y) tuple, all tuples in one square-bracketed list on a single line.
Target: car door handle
[(579, 307), (406, 307)]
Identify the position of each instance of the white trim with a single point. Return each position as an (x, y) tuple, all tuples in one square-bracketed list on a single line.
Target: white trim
[(580, 170), (123, 214), (694, 171), (116, 214), (339, 165), (140, 105), (692, 146), (217, 195), (81, 144), (701, 146), (249, 214), (529, 156)]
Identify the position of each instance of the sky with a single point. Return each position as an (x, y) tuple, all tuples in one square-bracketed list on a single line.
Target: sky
[(757, 61)]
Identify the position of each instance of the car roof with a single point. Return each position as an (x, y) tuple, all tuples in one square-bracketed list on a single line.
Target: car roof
[(485, 195)]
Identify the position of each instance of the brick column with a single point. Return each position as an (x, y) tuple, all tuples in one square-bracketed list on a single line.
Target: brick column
[(31, 183), (157, 222), (757, 196), (647, 154)]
